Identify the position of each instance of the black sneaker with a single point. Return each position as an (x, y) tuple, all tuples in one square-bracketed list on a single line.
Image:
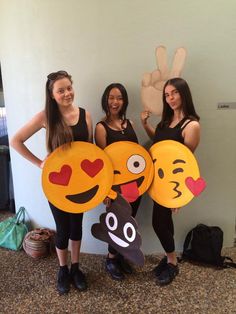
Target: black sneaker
[(124, 265), (78, 278), (113, 268), (168, 274), (160, 267), (63, 280)]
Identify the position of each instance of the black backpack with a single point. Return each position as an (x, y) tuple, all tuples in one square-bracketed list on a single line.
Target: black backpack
[(203, 244)]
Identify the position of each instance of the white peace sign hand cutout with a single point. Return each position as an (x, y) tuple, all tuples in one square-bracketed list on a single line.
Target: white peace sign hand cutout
[(153, 83)]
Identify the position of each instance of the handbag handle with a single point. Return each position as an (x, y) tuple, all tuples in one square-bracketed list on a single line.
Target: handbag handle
[(21, 212)]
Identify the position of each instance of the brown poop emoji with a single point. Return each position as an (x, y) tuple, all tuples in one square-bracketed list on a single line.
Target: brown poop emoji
[(118, 228)]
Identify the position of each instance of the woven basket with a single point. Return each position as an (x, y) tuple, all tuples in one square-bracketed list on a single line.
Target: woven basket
[(39, 242)]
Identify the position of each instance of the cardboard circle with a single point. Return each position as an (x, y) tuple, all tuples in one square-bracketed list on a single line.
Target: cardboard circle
[(133, 169), (78, 177), (173, 163)]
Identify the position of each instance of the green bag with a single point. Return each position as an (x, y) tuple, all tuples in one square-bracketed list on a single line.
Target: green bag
[(13, 231)]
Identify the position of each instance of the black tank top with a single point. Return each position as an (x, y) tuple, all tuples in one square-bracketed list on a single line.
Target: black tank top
[(127, 134), (80, 129), (175, 133)]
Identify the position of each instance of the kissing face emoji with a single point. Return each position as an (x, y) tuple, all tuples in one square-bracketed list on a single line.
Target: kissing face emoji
[(176, 174), (78, 177), (133, 169)]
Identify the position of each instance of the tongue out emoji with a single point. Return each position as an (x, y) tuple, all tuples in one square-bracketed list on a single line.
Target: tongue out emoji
[(133, 169)]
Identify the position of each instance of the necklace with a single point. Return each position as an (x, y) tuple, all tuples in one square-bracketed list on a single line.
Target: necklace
[(116, 126), (122, 129)]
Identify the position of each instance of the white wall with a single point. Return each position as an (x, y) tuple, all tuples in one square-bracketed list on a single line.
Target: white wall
[(103, 41)]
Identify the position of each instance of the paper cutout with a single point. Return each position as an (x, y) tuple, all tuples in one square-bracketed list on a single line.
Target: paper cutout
[(174, 164), (78, 177), (118, 228), (84, 197), (133, 169), (92, 168), (62, 177), (195, 186), (153, 83)]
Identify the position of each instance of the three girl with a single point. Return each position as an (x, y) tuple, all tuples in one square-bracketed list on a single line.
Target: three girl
[(64, 122)]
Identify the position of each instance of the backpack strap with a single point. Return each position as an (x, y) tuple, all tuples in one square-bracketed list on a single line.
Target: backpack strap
[(230, 264), (187, 240)]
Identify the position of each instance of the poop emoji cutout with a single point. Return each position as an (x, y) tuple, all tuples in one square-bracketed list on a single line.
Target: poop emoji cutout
[(176, 174), (118, 228), (133, 169), (78, 177)]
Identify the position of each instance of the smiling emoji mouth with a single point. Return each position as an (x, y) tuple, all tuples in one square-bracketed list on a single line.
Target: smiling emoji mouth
[(117, 240), (83, 197), (129, 190)]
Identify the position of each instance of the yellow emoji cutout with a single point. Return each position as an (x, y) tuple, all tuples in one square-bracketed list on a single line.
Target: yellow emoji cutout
[(133, 169), (77, 178), (176, 174)]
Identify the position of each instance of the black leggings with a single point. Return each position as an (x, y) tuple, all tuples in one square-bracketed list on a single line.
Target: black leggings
[(68, 226), (134, 206), (163, 226)]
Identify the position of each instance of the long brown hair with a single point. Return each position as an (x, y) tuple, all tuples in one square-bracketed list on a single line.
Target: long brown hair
[(57, 131), (186, 98)]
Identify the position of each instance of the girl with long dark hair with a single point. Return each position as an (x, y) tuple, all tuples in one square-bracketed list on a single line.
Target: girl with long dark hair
[(179, 122), (116, 127)]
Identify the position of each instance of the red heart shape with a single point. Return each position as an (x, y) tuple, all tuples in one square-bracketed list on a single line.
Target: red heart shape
[(92, 168), (62, 177), (196, 187)]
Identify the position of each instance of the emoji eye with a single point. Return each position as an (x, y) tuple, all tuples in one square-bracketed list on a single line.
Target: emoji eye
[(129, 232), (92, 168), (136, 164), (160, 173), (178, 170), (62, 177), (111, 221)]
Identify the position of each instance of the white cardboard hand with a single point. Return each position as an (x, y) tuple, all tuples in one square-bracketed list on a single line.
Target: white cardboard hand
[(153, 83)]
